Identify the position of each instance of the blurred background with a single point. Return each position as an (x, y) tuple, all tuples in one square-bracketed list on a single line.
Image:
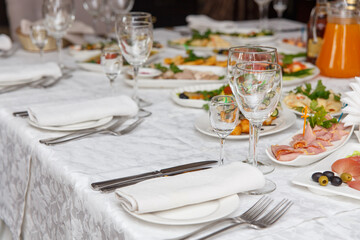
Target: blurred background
[(168, 13)]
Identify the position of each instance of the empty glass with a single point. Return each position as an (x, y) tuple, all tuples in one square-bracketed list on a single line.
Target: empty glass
[(257, 87), (121, 6), (263, 13), (280, 6), (111, 60), (93, 7), (135, 41), (58, 18), (39, 36), (241, 54), (224, 115)]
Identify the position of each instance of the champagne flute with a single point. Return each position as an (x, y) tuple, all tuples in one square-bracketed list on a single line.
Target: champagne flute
[(257, 87), (135, 41), (263, 13), (111, 60), (241, 54), (59, 16), (39, 36), (224, 115), (280, 6)]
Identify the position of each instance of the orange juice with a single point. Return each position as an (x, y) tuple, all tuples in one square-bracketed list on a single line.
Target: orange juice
[(340, 53)]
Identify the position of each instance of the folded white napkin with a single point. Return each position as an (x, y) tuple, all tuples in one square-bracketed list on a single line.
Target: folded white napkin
[(78, 112), (190, 188), (352, 99), (72, 34), (5, 42), (203, 22), (31, 71)]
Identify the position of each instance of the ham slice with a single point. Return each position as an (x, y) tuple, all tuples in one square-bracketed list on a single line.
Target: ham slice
[(354, 184), (347, 165), (285, 152)]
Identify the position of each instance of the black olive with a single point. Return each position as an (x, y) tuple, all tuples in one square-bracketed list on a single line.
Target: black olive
[(336, 181), (329, 174), (315, 177), (183, 96)]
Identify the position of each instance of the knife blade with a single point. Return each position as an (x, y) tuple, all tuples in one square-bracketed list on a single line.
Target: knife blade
[(110, 188), (153, 174)]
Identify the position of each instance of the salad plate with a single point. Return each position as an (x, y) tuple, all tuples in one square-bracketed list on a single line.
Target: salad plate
[(304, 178), (192, 214), (304, 160), (293, 80), (175, 83), (73, 127), (285, 120)]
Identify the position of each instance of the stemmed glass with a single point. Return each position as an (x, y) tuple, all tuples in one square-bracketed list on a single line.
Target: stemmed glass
[(59, 16), (263, 13), (39, 36), (111, 60), (257, 87), (280, 6), (224, 115), (93, 7), (135, 40), (241, 54), (121, 6)]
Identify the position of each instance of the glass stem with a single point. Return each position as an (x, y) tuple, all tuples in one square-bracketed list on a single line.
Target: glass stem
[(135, 94), (222, 142), (261, 15), (250, 159), (255, 139), (59, 48), (41, 53)]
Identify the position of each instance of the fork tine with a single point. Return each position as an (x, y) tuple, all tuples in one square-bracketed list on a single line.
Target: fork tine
[(256, 205), (258, 210), (281, 212), (272, 211)]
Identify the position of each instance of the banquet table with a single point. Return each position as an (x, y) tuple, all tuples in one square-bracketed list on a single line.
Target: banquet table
[(45, 190)]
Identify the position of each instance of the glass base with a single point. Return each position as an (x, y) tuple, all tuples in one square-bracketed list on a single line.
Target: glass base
[(265, 168), (269, 187)]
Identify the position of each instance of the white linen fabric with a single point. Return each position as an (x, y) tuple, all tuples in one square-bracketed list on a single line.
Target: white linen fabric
[(352, 100), (83, 111), (5, 42), (29, 71), (203, 22), (190, 188)]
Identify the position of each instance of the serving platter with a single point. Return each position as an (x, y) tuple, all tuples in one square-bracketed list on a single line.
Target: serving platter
[(289, 81)]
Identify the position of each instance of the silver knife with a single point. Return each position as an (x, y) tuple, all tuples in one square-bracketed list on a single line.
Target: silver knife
[(153, 174)]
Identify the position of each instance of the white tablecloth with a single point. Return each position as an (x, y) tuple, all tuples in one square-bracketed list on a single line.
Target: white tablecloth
[(60, 204)]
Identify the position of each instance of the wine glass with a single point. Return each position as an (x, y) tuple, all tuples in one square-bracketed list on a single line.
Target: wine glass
[(121, 6), (257, 87), (280, 6), (137, 17), (263, 13), (224, 115), (111, 60), (59, 16), (93, 7), (135, 41), (241, 54), (39, 36)]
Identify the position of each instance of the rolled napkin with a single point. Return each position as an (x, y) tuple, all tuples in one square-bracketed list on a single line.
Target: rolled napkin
[(31, 71), (5, 42), (78, 112), (352, 99), (203, 22), (190, 188)]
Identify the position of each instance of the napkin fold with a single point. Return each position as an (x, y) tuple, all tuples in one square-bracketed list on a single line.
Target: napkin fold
[(352, 99), (31, 71), (190, 188), (5, 42), (203, 22), (78, 112)]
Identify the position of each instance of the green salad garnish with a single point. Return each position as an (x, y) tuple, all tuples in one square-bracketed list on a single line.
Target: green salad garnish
[(319, 116), (319, 91)]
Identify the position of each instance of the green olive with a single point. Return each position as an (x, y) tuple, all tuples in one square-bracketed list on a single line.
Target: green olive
[(346, 177), (323, 180)]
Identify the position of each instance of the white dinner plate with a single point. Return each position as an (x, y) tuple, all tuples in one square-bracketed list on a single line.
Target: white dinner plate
[(288, 81), (194, 103), (174, 83), (192, 214), (304, 160), (304, 179), (285, 120), (74, 127)]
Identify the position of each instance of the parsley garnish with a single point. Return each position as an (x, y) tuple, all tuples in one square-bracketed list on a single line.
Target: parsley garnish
[(319, 117)]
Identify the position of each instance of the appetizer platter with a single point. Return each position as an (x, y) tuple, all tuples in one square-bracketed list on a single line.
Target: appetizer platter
[(193, 59), (322, 135), (307, 96), (247, 35), (337, 174), (178, 76)]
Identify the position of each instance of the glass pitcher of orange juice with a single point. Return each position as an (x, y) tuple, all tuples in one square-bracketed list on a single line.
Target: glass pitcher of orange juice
[(339, 56)]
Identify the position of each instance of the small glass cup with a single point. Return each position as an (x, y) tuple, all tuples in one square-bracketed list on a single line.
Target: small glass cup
[(39, 36), (224, 116), (111, 60)]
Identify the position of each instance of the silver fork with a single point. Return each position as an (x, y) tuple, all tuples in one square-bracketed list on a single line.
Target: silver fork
[(111, 130), (267, 220), (250, 215)]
